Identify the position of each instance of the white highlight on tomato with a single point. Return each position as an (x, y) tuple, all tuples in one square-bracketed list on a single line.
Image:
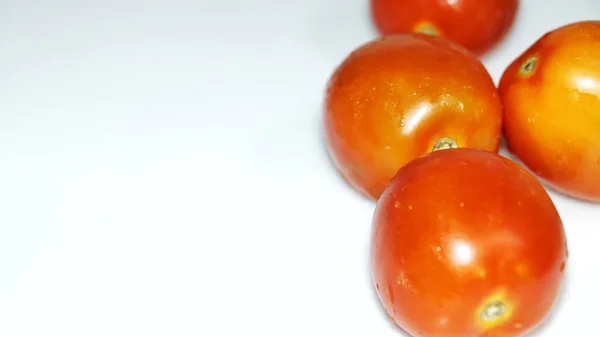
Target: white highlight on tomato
[(462, 253)]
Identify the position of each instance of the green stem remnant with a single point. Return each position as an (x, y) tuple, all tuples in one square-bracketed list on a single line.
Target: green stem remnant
[(445, 143), (493, 311), (529, 66)]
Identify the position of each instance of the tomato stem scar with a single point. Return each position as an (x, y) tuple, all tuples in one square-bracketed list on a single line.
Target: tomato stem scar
[(528, 67), (493, 311), (445, 143), (427, 28)]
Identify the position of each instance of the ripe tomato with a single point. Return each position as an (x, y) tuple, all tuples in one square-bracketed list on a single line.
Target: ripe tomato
[(475, 24), (398, 97), (551, 95), (467, 243)]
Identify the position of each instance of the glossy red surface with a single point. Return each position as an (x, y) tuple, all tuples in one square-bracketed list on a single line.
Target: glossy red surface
[(467, 243), (396, 98), (551, 95)]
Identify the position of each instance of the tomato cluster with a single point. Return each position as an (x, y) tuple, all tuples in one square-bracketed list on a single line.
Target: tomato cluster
[(466, 242)]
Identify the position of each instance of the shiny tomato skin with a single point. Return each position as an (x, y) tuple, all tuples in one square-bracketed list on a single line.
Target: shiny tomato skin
[(551, 96), (467, 243), (475, 24), (396, 98)]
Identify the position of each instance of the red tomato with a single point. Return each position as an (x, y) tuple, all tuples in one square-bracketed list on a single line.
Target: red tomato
[(551, 95), (398, 97), (475, 24), (467, 243)]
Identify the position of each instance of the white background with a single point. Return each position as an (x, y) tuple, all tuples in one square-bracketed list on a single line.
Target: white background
[(162, 172)]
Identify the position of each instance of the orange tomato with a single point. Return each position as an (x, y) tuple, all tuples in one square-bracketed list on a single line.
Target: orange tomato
[(475, 24), (467, 243), (551, 95), (397, 98)]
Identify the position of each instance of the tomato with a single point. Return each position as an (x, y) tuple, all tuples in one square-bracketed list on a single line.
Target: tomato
[(551, 94), (477, 25), (398, 97), (467, 243)]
